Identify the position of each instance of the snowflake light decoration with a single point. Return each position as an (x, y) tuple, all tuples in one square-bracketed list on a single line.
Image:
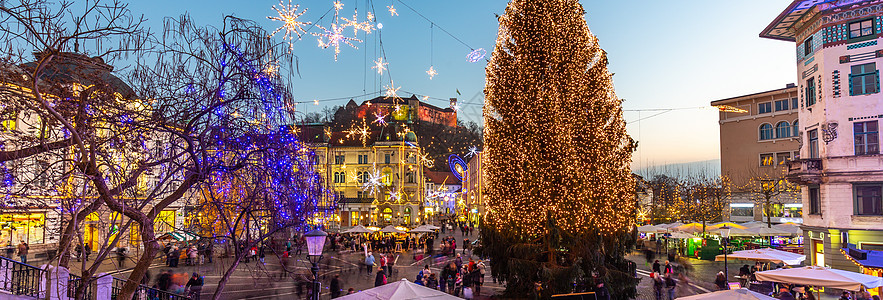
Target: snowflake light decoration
[(380, 118), (333, 38), (392, 11), (380, 65), (391, 91), (472, 151), (337, 6), (370, 16), (366, 26), (395, 195), (431, 72), (363, 133), (373, 182), (289, 17)]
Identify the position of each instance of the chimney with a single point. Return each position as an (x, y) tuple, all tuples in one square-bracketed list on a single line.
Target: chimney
[(790, 85)]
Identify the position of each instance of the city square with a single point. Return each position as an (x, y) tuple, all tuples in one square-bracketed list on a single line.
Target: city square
[(404, 149)]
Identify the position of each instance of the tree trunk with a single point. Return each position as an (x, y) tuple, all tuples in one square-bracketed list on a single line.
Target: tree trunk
[(151, 247)]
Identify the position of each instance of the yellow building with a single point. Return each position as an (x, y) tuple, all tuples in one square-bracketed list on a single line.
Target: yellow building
[(376, 176)]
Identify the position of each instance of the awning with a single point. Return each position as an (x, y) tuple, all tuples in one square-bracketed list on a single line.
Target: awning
[(865, 258), (179, 236), (821, 276)]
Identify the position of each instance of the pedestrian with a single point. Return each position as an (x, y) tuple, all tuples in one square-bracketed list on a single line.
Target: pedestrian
[(195, 286), (193, 255), (479, 279), (174, 256), (601, 292), (670, 285), (261, 254), (668, 267), (369, 263), (721, 281), (23, 251), (384, 263), (164, 280), (380, 279), (350, 291), (845, 296), (87, 250), (656, 267), (79, 250), (657, 284), (121, 256), (432, 282), (335, 286), (284, 264), (208, 252)]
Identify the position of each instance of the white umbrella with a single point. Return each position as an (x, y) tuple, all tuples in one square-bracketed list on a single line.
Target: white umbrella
[(650, 229), (433, 227), (740, 294), (681, 235), (754, 224), (391, 229), (765, 255), (671, 225), (358, 229), (740, 232), (765, 231), (791, 228), (400, 290), (420, 229), (821, 276)]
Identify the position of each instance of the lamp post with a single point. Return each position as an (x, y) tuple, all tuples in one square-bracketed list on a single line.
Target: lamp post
[(315, 244), (725, 237)]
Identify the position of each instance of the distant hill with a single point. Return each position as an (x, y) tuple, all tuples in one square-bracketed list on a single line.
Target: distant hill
[(705, 167)]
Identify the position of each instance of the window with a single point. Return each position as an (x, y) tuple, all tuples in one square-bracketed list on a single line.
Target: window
[(7, 120), (807, 46), (767, 159), (783, 157), (871, 246), (868, 199), (813, 137), (794, 130), (387, 158), (782, 105), (742, 209), (766, 132), (810, 92), (861, 28), (864, 79), (776, 211), (339, 159), (765, 107), (815, 204), (783, 129), (867, 138), (793, 103), (363, 159), (359, 177), (793, 210)]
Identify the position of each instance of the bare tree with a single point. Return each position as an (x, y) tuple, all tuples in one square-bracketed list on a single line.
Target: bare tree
[(769, 188)]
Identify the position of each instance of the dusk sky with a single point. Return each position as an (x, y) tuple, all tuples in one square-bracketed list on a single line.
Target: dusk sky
[(665, 54)]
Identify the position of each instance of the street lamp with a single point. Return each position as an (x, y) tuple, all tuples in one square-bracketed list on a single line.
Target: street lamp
[(315, 244), (725, 236)]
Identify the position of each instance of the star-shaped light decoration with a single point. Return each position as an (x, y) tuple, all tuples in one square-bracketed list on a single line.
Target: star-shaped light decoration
[(380, 65), (392, 11), (455, 107), (271, 69), (356, 25), (391, 91), (333, 38), (289, 17), (362, 132), (431, 72), (374, 181), (380, 118), (425, 98), (394, 195), (472, 151), (316, 102)]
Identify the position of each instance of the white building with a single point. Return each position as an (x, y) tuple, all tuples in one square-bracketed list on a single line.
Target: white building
[(840, 169)]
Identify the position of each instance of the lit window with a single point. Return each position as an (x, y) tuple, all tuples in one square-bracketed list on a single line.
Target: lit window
[(783, 157), (767, 159)]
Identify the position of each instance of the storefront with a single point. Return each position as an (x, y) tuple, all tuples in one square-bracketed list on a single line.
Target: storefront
[(29, 227)]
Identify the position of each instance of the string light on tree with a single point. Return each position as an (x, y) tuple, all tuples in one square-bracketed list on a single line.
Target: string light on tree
[(379, 65), (431, 72), (289, 17)]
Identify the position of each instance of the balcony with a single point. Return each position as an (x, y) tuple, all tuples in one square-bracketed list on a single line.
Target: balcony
[(805, 171)]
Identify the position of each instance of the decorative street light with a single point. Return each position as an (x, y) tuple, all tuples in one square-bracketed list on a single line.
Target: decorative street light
[(725, 237), (315, 244)]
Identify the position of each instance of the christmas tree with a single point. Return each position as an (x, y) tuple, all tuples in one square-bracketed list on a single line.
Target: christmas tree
[(558, 187)]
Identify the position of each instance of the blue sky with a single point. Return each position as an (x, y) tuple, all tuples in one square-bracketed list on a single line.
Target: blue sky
[(665, 54)]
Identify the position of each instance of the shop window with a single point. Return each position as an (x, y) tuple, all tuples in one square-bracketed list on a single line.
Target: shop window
[(165, 222), (354, 218), (776, 211), (868, 199), (793, 210), (767, 159), (23, 227), (742, 209), (867, 138)]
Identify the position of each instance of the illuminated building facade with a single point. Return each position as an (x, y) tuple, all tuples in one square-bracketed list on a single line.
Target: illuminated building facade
[(759, 135), (444, 196), (408, 110), (378, 182), (472, 189), (840, 169)]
